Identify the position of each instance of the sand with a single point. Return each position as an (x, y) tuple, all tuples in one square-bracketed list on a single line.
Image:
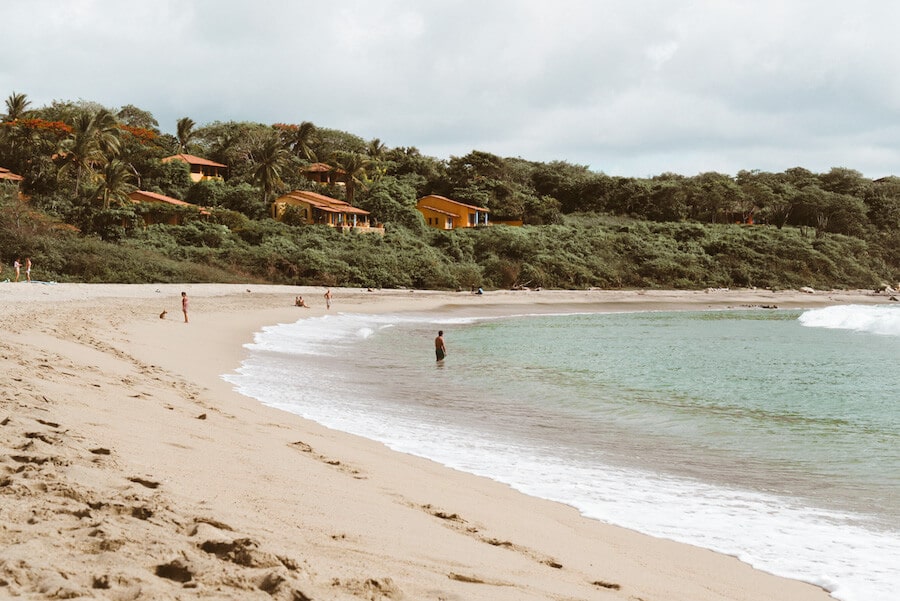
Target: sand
[(131, 470)]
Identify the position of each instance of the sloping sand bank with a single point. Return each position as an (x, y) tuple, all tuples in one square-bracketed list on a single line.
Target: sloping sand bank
[(130, 469)]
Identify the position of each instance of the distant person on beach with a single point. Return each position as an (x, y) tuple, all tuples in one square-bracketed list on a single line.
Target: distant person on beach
[(440, 349), (18, 267), (28, 268), (184, 305), (300, 302), (328, 298)]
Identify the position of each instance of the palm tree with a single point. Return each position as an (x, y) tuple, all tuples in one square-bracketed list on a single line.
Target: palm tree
[(270, 159), (226, 148), (94, 141), (17, 139), (115, 184), (106, 130), (300, 141), (355, 167), (185, 133), (376, 149), (81, 150), (16, 107)]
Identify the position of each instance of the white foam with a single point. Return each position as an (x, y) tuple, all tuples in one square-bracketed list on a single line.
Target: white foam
[(872, 319)]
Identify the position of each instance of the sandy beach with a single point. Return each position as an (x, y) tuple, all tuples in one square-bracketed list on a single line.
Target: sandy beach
[(131, 470)]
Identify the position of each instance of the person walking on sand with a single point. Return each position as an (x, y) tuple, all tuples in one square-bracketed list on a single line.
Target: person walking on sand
[(440, 349), (328, 298), (18, 267), (28, 268), (184, 305)]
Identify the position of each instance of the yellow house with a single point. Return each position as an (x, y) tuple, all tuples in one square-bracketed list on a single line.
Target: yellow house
[(318, 209), (161, 215), (445, 214), (201, 169)]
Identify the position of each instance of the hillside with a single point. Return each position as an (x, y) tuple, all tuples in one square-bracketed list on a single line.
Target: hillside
[(79, 161)]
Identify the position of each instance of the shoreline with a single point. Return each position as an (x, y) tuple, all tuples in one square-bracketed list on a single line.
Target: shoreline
[(131, 466)]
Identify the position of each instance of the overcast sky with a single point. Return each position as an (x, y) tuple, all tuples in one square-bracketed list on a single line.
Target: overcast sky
[(626, 87)]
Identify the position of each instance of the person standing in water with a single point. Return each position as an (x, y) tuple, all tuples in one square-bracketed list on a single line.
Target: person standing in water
[(328, 298), (440, 349)]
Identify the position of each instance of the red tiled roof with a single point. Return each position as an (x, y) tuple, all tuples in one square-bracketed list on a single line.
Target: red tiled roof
[(7, 174), (441, 211), (456, 202), (193, 160), (321, 168), (320, 201), (144, 196)]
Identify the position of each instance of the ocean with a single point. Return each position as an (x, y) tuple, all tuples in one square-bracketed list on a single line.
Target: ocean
[(770, 435)]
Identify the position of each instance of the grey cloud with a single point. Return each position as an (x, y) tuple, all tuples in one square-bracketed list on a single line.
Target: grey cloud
[(627, 88)]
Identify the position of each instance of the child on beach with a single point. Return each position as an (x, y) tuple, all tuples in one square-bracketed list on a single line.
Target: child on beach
[(184, 305)]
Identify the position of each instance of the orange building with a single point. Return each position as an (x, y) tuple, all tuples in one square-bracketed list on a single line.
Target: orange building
[(318, 209), (323, 173), (165, 210), (445, 214), (201, 169)]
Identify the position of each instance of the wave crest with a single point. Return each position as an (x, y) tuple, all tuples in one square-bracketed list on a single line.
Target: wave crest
[(872, 319)]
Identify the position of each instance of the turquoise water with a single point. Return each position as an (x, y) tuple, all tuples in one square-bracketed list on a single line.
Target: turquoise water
[(770, 435), (745, 398)]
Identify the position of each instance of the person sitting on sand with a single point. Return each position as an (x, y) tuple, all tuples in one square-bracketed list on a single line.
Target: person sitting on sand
[(300, 302)]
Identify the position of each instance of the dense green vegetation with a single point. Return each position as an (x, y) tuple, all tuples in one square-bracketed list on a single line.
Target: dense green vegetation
[(582, 228)]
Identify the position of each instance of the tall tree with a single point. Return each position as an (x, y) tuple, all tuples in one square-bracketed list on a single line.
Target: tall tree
[(355, 167), (82, 150), (475, 166), (300, 140), (133, 116), (115, 184), (845, 181), (185, 133), (16, 107), (376, 149), (270, 158), (106, 130)]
